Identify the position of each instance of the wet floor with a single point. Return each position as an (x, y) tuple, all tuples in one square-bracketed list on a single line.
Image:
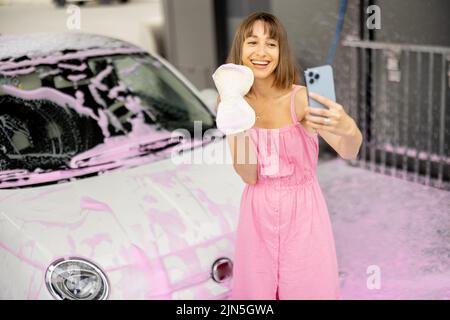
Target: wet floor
[(392, 236)]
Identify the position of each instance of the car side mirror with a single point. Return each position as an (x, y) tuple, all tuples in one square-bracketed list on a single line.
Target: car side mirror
[(209, 97)]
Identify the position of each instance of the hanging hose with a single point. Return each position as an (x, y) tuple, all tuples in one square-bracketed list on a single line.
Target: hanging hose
[(339, 24)]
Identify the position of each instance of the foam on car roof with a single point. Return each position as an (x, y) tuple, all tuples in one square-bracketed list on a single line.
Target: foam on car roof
[(41, 44)]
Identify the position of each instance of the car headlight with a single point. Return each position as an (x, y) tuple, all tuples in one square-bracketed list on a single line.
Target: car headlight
[(222, 269), (76, 279)]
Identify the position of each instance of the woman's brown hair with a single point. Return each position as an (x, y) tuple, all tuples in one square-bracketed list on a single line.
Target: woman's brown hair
[(287, 70)]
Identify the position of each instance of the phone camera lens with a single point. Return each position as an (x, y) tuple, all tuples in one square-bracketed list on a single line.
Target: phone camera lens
[(310, 74), (311, 81), (316, 76)]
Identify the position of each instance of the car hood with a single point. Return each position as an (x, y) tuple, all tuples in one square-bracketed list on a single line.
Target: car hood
[(162, 213)]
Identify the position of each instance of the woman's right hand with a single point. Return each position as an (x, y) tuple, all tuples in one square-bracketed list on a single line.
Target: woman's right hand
[(233, 114)]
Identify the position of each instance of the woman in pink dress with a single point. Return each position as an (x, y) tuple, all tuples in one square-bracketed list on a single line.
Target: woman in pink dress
[(284, 243)]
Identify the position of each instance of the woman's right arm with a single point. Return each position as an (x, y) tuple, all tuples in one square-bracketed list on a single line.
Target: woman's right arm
[(243, 154)]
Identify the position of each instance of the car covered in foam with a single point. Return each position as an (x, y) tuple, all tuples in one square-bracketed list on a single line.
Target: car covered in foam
[(114, 181)]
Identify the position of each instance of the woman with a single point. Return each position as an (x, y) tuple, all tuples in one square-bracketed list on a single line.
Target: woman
[(284, 242)]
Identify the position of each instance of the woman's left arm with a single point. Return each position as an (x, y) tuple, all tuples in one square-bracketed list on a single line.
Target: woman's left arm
[(339, 123)]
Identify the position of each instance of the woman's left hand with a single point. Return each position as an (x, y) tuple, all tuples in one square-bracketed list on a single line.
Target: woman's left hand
[(339, 123)]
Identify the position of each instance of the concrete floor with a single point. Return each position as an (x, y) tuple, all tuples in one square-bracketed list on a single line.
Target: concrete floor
[(400, 227)]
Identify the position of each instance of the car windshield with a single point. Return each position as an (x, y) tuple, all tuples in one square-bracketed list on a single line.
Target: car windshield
[(53, 113)]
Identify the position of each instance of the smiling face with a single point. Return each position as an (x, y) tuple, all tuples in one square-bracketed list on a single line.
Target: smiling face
[(260, 52), (261, 43)]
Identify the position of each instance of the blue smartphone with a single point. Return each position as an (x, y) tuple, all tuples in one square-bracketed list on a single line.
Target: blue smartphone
[(320, 80)]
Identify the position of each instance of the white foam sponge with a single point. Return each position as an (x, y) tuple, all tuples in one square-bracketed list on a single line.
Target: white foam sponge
[(234, 114)]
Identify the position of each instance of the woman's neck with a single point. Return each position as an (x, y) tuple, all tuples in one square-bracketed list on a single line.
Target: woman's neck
[(262, 89)]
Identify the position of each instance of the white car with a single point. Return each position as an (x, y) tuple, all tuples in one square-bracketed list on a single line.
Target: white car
[(93, 202), (62, 3)]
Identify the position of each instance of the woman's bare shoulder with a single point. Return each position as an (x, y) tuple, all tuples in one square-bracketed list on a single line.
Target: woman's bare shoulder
[(300, 102)]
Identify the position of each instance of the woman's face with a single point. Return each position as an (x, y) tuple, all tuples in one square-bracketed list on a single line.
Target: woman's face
[(260, 53)]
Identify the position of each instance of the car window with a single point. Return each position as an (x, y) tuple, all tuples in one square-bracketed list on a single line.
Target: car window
[(45, 133), (40, 134), (161, 92)]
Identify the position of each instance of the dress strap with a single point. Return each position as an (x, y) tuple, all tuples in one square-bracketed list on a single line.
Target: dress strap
[(293, 113)]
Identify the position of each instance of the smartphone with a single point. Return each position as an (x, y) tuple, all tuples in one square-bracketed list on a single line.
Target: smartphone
[(320, 80)]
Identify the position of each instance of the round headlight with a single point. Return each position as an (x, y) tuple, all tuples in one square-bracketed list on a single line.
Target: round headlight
[(222, 269), (76, 279)]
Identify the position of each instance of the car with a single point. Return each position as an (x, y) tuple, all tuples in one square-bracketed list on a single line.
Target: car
[(102, 195), (62, 3)]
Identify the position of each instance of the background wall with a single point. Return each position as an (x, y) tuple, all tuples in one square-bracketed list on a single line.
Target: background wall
[(415, 21), (131, 22)]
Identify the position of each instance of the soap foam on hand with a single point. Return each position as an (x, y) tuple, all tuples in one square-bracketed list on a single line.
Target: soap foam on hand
[(234, 114)]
